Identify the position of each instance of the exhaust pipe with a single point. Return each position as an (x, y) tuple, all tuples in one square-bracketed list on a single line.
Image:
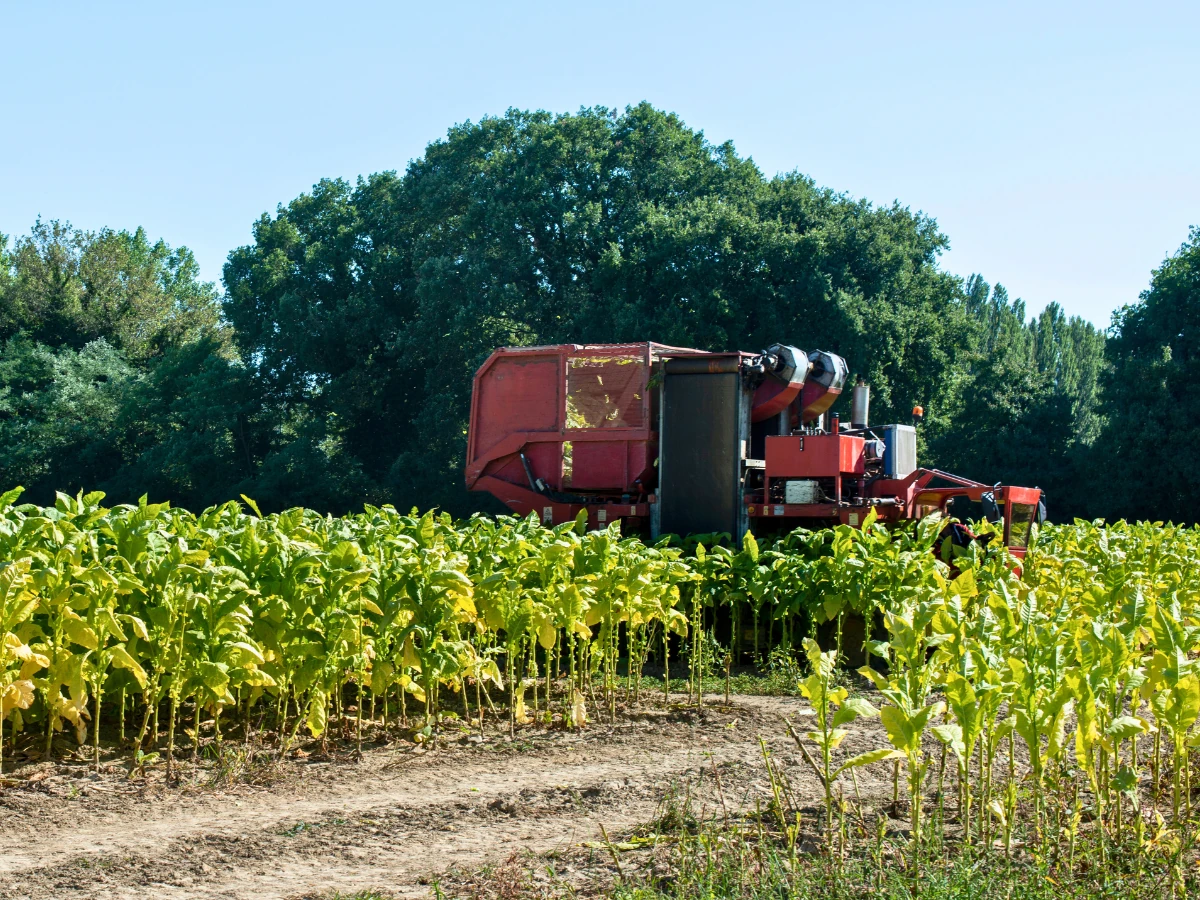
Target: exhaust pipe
[(860, 402)]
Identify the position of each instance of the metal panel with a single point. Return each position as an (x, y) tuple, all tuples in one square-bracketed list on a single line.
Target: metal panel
[(801, 490), (705, 420), (518, 393), (900, 450), (578, 416), (814, 455), (598, 465)]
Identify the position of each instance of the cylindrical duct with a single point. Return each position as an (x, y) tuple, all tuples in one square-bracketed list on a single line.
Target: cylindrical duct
[(823, 385), (860, 402)]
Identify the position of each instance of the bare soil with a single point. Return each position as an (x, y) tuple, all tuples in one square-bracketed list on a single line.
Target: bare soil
[(398, 820)]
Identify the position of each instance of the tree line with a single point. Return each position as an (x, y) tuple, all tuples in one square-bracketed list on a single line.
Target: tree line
[(335, 368)]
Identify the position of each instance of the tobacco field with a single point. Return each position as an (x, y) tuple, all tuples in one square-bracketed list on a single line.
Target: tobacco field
[(1042, 705)]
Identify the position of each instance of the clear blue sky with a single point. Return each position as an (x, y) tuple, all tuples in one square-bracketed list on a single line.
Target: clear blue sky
[(1056, 144)]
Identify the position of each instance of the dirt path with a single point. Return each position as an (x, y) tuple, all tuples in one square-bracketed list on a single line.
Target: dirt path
[(387, 823)]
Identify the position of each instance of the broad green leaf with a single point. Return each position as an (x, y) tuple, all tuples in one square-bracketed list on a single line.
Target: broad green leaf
[(852, 709), (317, 714), (866, 759), (875, 678), (79, 632), (1124, 727), (900, 729), (122, 660), (214, 676)]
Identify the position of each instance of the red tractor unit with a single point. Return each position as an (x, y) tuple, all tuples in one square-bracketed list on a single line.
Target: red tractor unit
[(672, 440)]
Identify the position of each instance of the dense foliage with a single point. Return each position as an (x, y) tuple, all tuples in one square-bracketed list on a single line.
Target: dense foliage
[(1029, 411), (1088, 657), (1153, 391), (336, 368), (370, 306)]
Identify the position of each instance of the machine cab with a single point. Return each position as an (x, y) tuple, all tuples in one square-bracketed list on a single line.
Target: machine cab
[(1014, 509)]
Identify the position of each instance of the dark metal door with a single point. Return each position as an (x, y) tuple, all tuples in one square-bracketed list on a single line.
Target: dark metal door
[(704, 422)]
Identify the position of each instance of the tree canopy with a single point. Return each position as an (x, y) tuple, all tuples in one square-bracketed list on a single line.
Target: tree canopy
[(66, 288), (336, 367), (370, 306), (1152, 394), (1028, 410)]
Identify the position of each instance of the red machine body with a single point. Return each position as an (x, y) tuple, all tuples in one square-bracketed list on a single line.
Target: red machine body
[(561, 428), (745, 444)]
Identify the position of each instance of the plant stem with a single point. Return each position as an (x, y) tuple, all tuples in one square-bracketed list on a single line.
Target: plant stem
[(98, 688), (171, 735)]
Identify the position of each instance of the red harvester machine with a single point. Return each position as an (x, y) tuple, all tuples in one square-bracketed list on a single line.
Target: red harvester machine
[(675, 440)]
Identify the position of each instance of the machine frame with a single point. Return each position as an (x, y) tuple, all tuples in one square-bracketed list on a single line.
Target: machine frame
[(548, 434)]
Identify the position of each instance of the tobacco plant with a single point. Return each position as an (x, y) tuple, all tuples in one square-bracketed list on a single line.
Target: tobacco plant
[(1085, 655)]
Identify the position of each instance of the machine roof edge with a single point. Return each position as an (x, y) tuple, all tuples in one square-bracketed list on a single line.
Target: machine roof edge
[(661, 349)]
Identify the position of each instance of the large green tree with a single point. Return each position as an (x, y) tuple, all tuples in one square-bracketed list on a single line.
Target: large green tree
[(365, 309), (1152, 396), (58, 413), (337, 367), (65, 287), (1027, 409), (86, 321)]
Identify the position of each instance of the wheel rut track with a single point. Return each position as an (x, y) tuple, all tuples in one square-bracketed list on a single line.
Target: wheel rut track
[(387, 823)]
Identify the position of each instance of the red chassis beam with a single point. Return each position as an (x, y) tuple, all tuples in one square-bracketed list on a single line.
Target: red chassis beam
[(512, 444), (847, 515), (910, 496), (522, 501)]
